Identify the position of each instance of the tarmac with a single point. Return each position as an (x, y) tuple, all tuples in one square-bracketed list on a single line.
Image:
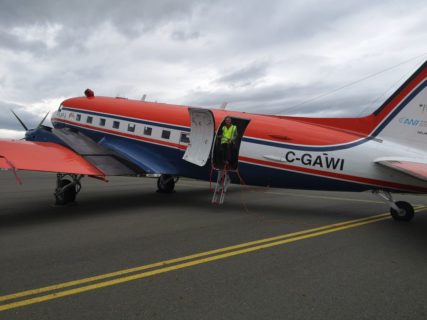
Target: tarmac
[(124, 251)]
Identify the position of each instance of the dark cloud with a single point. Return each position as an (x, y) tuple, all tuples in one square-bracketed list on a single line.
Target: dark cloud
[(246, 75), (8, 120), (259, 57), (180, 35), (128, 16)]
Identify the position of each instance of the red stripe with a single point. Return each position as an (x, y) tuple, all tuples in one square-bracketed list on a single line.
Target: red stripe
[(336, 175), (127, 135)]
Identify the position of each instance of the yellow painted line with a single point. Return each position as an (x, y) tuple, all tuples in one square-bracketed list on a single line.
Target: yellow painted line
[(176, 260), (287, 239)]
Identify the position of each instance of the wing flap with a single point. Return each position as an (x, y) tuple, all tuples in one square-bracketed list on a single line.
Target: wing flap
[(414, 167), (43, 156)]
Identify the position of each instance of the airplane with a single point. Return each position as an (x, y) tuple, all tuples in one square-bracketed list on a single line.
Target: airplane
[(384, 152)]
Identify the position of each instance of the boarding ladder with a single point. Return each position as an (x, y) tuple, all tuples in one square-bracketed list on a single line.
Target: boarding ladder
[(222, 182)]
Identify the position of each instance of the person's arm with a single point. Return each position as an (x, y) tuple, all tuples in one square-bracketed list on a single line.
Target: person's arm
[(234, 137)]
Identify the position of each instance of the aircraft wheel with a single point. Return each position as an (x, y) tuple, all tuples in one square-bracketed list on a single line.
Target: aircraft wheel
[(406, 212), (166, 183), (67, 195)]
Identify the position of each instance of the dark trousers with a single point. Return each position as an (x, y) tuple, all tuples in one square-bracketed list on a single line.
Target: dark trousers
[(226, 152)]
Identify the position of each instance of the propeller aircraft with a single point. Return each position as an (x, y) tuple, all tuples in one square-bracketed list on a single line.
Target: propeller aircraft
[(384, 152)]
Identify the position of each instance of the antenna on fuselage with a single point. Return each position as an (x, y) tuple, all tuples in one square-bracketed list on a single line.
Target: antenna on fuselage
[(143, 97), (224, 105)]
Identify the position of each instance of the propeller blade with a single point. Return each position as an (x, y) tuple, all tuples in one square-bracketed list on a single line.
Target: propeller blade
[(20, 121), (41, 122)]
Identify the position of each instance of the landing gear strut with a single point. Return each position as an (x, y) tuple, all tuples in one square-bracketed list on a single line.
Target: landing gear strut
[(67, 189), (166, 183), (400, 210)]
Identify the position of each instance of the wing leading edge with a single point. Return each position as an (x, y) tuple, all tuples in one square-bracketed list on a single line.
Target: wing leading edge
[(43, 156)]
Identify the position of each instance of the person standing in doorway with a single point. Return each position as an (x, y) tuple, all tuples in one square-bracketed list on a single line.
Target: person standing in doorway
[(228, 138)]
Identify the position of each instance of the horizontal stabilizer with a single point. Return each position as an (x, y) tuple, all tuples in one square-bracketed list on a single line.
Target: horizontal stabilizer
[(414, 167), (43, 156)]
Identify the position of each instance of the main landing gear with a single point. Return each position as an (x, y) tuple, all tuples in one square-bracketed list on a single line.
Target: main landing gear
[(67, 189), (166, 183), (400, 210)]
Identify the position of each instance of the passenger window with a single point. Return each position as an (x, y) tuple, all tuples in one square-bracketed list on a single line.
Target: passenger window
[(102, 122), (147, 131), (166, 134), (116, 124), (89, 119), (78, 117), (185, 137), (131, 127)]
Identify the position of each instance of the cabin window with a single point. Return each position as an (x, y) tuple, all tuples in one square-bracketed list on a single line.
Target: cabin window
[(147, 131), (78, 117), (185, 137), (102, 122), (166, 134), (116, 124), (89, 119), (131, 127)]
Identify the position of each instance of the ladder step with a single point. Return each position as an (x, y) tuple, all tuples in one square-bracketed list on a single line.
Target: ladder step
[(222, 183)]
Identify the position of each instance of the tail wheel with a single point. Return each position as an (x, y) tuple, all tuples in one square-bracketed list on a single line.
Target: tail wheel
[(406, 212), (65, 195)]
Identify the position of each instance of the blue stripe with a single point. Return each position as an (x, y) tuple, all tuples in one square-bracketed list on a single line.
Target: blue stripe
[(398, 109), (128, 119)]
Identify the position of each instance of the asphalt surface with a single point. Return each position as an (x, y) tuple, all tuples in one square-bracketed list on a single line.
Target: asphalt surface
[(367, 269)]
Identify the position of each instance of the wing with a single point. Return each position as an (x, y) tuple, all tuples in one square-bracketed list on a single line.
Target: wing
[(43, 156), (414, 167)]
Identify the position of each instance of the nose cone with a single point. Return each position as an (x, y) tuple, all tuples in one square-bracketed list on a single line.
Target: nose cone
[(30, 135)]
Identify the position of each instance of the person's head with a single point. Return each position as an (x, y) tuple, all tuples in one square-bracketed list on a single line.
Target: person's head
[(227, 121)]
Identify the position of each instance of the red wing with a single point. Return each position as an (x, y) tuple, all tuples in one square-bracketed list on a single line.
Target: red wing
[(43, 156), (412, 168)]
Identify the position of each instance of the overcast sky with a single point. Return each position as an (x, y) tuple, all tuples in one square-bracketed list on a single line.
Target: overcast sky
[(259, 56)]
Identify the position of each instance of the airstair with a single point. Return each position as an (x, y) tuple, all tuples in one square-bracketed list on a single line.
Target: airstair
[(222, 182)]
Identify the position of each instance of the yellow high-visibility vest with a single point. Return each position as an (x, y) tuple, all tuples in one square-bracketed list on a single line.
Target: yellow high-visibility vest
[(228, 133)]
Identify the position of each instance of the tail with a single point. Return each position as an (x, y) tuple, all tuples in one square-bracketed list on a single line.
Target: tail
[(403, 117)]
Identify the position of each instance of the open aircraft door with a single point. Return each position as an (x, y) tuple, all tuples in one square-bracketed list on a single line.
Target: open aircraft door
[(218, 156), (201, 136)]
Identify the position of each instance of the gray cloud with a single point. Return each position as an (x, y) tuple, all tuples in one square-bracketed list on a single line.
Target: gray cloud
[(8, 120), (258, 57), (246, 75)]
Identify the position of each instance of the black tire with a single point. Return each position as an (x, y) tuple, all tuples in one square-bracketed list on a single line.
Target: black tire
[(165, 183), (406, 213), (69, 194)]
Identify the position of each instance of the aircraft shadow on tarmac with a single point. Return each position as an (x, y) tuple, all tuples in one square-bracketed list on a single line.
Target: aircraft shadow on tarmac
[(35, 211)]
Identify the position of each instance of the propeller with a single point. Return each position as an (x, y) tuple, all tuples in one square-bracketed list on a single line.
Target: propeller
[(20, 121), (44, 118), (23, 124)]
